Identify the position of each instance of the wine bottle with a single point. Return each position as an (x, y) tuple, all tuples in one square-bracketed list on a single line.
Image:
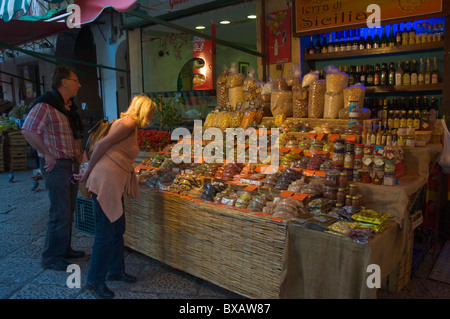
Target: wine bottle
[(412, 34), (421, 74), (355, 40), (377, 75), (406, 74), (384, 74), (424, 33), (399, 74), (414, 74), (418, 34), (417, 115), (349, 40), (384, 39), (337, 41), (425, 116), (391, 76), (435, 73), (369, 40), (363, 77), (324, 48), (433, 109), (376, 39), (391, 39), (398, 35), (311, 45), (428, 72), (405, 35), (362, 41)]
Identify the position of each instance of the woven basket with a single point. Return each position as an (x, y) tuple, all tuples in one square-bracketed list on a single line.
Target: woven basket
[(241, 252)]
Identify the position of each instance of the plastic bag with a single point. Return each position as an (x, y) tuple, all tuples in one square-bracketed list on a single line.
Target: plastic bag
[(316, 99), (281, 103), (294, 76), (355, 92), (252, 87), (222, 88), (444, 157), (336, 81), (333, 103)]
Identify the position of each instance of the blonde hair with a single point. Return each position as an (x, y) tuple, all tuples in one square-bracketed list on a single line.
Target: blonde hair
[(140, 108)]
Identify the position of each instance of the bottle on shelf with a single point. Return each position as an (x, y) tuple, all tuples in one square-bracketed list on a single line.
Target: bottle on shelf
[(385, 112), (336, 44), (324, 47), (384, 135), (378, 137), (311, 45), (318, 45), (425, 116), (362, 40), (412, 34), (373, 136), (364, 134), (330, 44), (410, 115), (394, 138), (414, 74), (384, 74), (399, 74), (406, 80), (351, 76), (377, 75), (421, 74), (370, 75), (391, 39), (397, 114), (391, 74), (418, 33), (369, 40), (433, 109), (398, 35), (441, 32), (417, 115), (389, 137), (427, 79), (403, 113), (363, 77), (376, 39), (343, 46), (384, 38), (355, 40), (348, 41), (435, 33), (429, 33), (435, 73), (405, 35), (424, 33), (357, 72), (390, 116)]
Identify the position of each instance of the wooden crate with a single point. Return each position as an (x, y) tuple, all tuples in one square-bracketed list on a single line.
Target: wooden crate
[(15, 150), (241, 252)]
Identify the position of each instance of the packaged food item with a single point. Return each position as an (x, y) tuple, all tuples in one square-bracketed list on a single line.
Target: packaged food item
[(252, 87), (236, 96), (336, 81), (210, 118), (222, 88), (309, 78), (251, 117), (333, 103), (281, 103), (294, 76), (235, 79), (316, 99), (371, 216), (299, 102), (355, 92)]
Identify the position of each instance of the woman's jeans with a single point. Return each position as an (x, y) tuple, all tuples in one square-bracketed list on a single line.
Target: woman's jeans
[(63, 198), (107, 251)]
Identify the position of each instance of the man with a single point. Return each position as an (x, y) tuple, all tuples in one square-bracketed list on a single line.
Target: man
[(54, 129)]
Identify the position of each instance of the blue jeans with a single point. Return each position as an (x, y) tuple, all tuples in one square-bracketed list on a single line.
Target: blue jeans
[(107, 251), (63, 196)]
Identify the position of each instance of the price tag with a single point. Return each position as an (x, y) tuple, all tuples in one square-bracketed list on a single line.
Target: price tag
[(320, 173), (320, 136), (276, 219), (298, 169), (262, 214), (286, 193), (308, 172), (251, 188), (245, 210), (333, 137), (297, 150), (198, 200), (311, 135), (187, 197), (351, 138), (300, 196), (284, 149)]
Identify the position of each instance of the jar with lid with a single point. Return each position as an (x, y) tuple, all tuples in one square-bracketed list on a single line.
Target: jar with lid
[(366, 176), (369, 149), (330, 192), (359, 150), (340, 196), (378, 175), (338, 146), (352, 189), (357, 162), (389, 179), (379, 162), (356, 200), (338, 157), (348, 160), (349, 147), (331, 178), (343, 181), (348, 200), (357, 177), (349, 173)]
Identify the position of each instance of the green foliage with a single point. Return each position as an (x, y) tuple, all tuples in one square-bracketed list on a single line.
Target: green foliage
[(167, 115)]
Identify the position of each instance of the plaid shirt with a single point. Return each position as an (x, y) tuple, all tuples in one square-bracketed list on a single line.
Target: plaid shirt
[(54, 128)]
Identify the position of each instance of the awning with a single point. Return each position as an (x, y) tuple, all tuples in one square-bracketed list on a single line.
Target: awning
[(26, 29)]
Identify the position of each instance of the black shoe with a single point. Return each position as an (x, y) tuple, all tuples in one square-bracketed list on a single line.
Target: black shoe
[(101, 290), (123, 277), (59, 266), (75, 254)]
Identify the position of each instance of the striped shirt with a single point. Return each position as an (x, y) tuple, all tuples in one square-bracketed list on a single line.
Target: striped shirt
[(54, 128)]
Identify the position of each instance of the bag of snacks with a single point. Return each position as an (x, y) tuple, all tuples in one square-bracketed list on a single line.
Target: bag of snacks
[(252, 88), (281, 103), (265, 97), (251, 117), (299, 101), (295, 75), (316, 99), (235, 78), (310, 78), (210, 118), (222, 88), (336, 81), (355, 92), (333, 103)]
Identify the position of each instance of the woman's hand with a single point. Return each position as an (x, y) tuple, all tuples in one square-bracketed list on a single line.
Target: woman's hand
[(82, 175)]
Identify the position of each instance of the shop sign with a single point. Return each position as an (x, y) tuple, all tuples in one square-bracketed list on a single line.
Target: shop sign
[(203, 52), (312, 15), (278, 31)]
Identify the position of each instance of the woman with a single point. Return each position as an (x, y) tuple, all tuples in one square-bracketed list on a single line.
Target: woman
[(108, 177)]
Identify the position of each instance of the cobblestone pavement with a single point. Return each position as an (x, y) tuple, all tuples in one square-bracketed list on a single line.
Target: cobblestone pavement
[(23, 216)]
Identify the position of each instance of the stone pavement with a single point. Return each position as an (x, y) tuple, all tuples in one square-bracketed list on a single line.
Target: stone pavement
[(23, 216)]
